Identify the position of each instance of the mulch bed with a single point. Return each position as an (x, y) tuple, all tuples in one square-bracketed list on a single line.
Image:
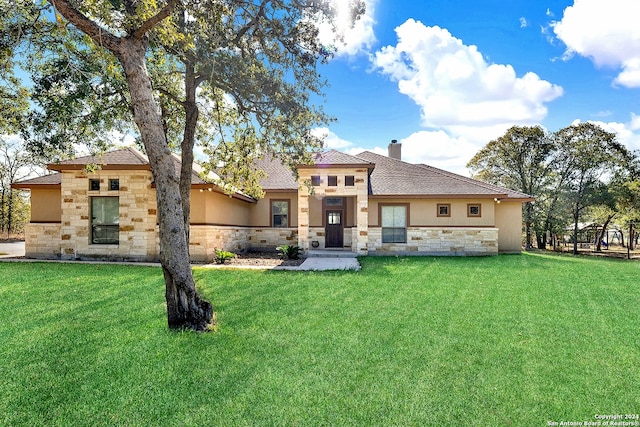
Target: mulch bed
[(267, 259)]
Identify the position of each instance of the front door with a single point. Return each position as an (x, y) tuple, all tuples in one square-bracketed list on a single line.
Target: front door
[(334, 232)]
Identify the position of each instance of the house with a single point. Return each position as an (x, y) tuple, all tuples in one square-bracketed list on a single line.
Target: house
[(368, 204)]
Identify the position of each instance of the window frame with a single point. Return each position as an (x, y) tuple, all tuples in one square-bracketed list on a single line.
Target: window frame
[(315, 180), (94, 184), (474, 205), (443, 205), (404, 229), (332, 181), (109, 226), (349, 181), (114, 184), (272, 214)]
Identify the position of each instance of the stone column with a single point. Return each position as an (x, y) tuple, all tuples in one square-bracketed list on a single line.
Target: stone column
[(362, 221), (303, 219)]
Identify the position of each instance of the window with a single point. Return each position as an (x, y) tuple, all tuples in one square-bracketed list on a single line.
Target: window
[(333, 201), (114, 184), (94, 184), (394, 224), (315, 180), (473, 210), (332, 181), (349, 181), (105, 220), (280, 213), (333, 218), (444, 209)]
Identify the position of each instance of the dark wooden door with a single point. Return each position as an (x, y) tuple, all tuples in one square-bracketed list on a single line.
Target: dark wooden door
[(334, 232)]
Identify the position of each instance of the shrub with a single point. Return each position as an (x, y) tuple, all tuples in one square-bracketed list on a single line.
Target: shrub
[(222, 256), (289, 251)]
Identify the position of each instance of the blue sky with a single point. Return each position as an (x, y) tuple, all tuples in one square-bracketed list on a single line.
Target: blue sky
[(444, 77)]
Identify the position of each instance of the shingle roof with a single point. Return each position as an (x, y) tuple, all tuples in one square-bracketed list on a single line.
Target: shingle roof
[(389, 177), (337, 158), (126, 158), (278, 175), (52, 179), (393, 177)]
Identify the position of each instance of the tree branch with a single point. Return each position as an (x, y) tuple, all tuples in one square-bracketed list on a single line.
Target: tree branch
[(155, 19), (251, 23), (99, 35)]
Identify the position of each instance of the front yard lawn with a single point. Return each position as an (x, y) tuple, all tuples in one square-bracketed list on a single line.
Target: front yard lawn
[(522, 340)]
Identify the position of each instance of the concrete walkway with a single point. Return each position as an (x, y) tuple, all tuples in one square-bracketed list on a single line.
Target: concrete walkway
[(320, 264)]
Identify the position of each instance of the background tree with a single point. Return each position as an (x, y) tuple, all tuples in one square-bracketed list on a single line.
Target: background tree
[(518, 160), (587, 152), (628, 196), (141, 35), (15, 164)]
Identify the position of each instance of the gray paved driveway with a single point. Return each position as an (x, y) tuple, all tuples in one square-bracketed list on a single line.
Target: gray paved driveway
[(10, 250)]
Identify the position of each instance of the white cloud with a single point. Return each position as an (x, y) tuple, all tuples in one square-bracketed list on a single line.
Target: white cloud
[(523, 22), (434, 148), (331, 140), (349, 39), (454, 85), (609, 35), (550, 13), (626, 133)]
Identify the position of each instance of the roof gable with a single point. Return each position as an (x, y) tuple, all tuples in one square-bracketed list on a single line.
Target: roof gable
[(337, 159)]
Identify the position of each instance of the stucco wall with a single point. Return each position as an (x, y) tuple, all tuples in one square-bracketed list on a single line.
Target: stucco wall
[(45, 205), (509, 222), (213, 208), (423, 212), (260, 212)]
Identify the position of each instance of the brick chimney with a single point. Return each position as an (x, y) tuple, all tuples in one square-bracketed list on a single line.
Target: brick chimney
[(395, 150)]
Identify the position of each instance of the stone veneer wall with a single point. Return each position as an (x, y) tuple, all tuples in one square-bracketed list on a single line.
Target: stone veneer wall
[(205, 239), (270, 238), (42, 240), (359, 191), (137, 216), (438, 241)]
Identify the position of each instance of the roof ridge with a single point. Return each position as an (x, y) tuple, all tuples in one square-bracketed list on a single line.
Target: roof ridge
[(463, 178), (409, 167), (137, 153)]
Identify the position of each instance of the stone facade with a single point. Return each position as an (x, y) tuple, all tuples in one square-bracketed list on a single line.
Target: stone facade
[(205, 239), (438, 241), (137, 215), (42, 240), (267, 238), (331, 208), (359, 190)]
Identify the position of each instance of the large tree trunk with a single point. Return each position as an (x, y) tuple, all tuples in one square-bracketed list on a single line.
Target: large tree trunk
[(185, 309), (602, 233), (576, 218), (188, 142)]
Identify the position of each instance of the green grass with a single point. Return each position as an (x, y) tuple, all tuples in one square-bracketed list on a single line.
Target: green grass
[(507, 340)]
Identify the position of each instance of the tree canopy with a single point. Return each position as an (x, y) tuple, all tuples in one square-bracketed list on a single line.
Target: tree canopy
[(567, 171), (238, 77)]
